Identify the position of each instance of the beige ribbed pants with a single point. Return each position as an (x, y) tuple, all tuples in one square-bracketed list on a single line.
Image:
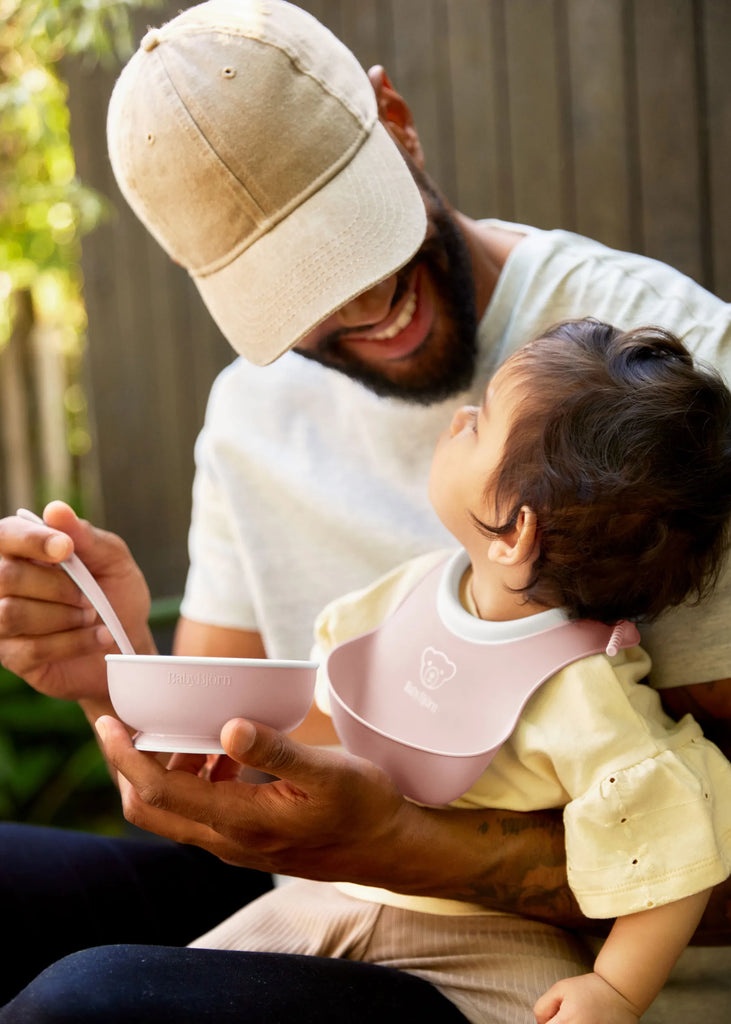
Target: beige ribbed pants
[(493, 967)]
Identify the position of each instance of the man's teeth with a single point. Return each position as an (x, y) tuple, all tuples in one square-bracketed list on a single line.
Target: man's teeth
[(402, 320)]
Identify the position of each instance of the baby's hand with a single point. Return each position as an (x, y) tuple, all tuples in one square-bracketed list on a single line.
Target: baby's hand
[(586, 999)]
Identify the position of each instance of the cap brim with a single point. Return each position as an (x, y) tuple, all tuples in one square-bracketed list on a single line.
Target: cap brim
[(362, 226)]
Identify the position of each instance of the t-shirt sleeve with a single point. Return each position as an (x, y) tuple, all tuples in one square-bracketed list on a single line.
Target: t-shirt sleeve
[(692, 643), (216, 589), (648, 819), (652, 832)]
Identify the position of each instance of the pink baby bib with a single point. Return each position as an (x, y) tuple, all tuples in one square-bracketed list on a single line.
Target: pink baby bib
[(432, 707)]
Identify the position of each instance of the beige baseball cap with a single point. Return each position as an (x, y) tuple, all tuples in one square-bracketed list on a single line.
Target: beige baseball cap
[(246, 138)]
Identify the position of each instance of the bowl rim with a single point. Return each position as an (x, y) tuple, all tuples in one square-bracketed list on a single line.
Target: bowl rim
[(181, 659)]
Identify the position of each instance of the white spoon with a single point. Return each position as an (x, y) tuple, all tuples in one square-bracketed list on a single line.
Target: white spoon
[(89, 586)]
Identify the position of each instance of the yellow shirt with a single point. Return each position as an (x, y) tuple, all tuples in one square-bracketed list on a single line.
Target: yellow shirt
[(647, 801)]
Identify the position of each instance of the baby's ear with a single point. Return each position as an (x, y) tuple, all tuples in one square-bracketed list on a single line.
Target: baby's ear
[(520, 544)]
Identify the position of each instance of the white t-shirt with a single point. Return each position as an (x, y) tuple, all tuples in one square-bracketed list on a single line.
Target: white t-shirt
[(309, 486)]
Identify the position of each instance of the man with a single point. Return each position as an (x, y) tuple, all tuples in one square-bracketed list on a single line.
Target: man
[(292, 188)]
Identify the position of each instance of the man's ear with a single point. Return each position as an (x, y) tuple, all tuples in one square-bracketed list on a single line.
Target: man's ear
[(520, 545), (395, 115)]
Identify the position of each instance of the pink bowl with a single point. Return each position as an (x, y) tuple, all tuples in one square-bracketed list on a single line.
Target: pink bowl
[(181, 704)]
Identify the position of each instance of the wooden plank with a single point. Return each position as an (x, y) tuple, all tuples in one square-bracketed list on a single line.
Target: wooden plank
[(18, 461), (166, 454), (366, 27), (479, 108), (331, 14), (605, 189), (422, 74), (49, 382), (541, 164), (716, 137), (318, 9), (667, 105)]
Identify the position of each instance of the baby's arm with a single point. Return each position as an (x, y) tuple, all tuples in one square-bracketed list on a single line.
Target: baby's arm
[(631, 968)]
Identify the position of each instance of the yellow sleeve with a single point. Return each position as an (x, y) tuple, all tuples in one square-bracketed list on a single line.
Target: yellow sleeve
[(652, 832), (648, 811)]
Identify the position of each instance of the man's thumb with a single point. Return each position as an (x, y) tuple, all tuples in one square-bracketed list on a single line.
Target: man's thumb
[(259, 746)]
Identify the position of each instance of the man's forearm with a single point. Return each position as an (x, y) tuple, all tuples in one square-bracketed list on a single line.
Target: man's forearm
[(503, 860), (331, 817), (515, 862)]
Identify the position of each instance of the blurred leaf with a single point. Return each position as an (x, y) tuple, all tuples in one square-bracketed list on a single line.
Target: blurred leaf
[(51, 769), (43, 714)]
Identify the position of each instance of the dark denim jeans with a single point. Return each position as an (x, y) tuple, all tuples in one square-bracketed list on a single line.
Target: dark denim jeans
[(95, 930)]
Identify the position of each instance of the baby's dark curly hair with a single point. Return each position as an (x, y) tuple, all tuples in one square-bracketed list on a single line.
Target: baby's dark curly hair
[(622, 448)]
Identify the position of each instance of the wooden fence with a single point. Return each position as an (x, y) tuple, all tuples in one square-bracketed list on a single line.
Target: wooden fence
[(608, 117)]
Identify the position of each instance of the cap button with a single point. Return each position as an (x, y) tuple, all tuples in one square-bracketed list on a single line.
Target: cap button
[(150, 40)]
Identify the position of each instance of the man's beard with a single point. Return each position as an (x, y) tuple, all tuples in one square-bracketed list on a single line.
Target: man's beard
[(444, 364)]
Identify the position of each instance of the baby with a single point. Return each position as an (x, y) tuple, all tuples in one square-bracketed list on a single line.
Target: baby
[(593, 483)]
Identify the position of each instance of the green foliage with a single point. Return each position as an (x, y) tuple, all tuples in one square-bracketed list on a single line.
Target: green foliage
[(44, 208), (51, 769), (100, 29)]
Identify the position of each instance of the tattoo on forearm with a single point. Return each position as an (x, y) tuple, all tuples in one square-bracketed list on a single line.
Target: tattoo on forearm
[(527, 873), (545, 823)]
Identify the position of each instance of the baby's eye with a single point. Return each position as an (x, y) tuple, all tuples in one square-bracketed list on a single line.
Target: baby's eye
[(473, 420)]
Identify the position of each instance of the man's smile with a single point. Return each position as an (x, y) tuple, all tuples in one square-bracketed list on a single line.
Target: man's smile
[(412, 337), (402, 331)]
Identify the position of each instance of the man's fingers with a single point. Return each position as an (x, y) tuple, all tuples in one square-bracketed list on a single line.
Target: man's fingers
[(25, 539), (100, 550), (20, 577), (177, 805), (145, 773), (154, 788), (271, 752), (23, 656), (143, 784), (169, 824), (194, 764), (23, 617)]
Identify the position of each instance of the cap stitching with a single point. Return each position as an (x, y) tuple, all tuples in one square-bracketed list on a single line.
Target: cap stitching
[(315, 264), (330, 172), (200, 134), (311, 261), (327, 176), (289, 51)]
